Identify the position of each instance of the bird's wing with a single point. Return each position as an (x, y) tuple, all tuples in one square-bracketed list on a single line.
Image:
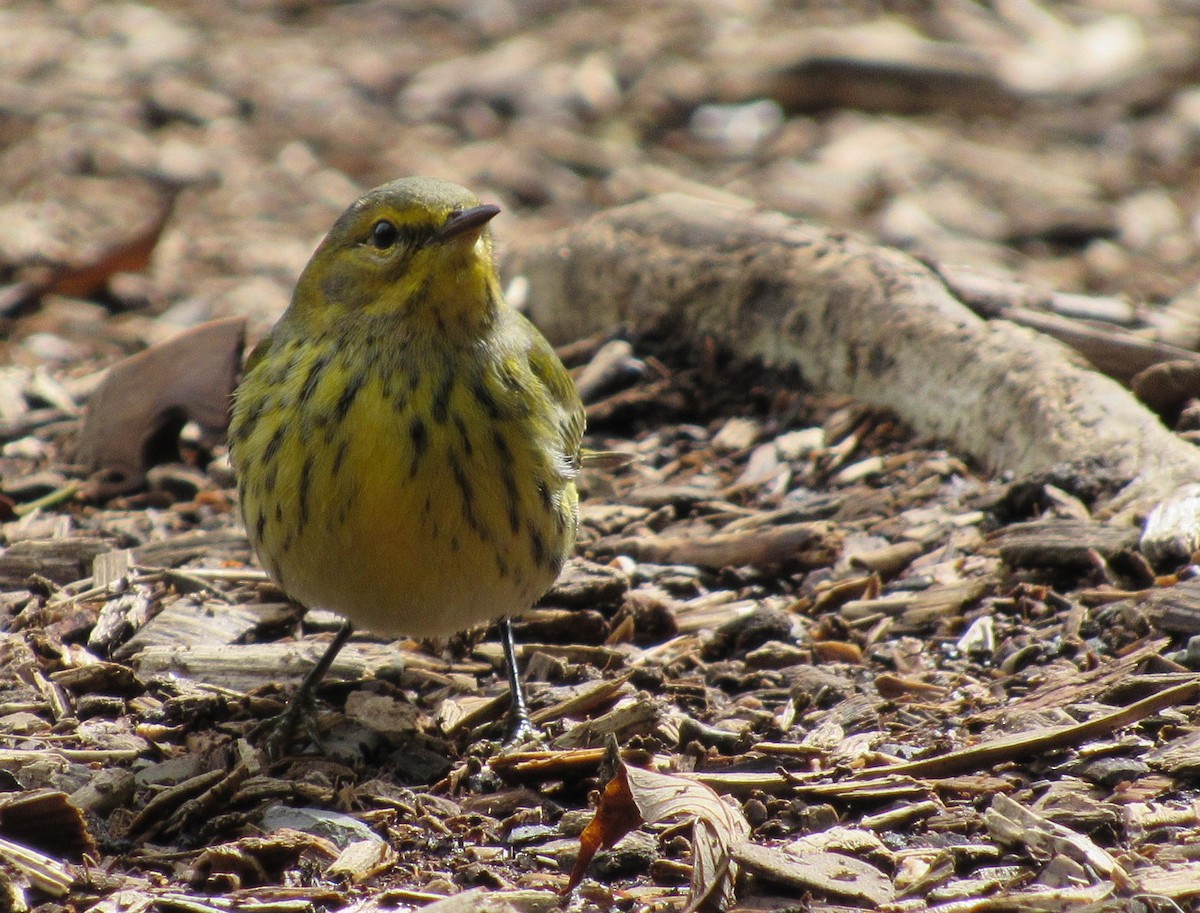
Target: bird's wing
[(547, 367)]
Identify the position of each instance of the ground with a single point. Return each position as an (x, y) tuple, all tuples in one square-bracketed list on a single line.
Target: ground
[(911, 683)]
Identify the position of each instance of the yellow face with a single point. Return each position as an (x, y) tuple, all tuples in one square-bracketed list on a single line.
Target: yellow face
[(402, 249)]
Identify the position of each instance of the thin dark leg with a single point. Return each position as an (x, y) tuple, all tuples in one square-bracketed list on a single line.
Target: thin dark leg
[(308, 687), (278, 733), (520, 727)]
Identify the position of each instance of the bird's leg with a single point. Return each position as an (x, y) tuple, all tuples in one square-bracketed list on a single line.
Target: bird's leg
[(277, 733), (520, 726)]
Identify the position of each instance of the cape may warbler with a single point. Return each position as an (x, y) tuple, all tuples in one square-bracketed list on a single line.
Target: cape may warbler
[(405, 442)]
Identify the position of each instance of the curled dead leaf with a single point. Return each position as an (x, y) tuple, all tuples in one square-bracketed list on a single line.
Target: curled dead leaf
[(130, 254), (635, 796), (145, 399)]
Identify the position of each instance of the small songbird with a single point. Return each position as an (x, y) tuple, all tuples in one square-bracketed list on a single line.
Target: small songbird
[(406, 444)]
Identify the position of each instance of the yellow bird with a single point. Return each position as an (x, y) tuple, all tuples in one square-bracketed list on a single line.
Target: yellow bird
[(406, 444)]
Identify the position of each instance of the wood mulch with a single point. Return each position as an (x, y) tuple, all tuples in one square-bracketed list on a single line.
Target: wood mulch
[(818, 651), (879, 657)]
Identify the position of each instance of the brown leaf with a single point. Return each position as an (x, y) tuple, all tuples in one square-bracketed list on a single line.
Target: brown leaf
[(616, 815), (710, 888), (128, 255), (362, 860), (637, 796), (149, 395), (662, 797)]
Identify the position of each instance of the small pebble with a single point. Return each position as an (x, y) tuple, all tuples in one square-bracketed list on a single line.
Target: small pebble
[(1112, 771), (340, 829)]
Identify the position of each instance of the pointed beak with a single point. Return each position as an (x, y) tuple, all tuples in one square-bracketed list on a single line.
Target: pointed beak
[(468, 223)]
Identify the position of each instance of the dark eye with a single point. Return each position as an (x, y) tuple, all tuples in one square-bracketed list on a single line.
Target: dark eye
[(384, 234)]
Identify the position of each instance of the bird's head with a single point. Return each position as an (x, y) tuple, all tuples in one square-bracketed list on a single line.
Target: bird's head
[(416, 248)]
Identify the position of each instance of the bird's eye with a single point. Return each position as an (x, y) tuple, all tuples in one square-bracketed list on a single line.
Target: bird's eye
[(384, 234)]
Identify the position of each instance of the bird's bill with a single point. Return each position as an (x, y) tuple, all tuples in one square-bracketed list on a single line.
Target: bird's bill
[(467, 223)]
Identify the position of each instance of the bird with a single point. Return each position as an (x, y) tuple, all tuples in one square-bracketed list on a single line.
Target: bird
[(406, 444)]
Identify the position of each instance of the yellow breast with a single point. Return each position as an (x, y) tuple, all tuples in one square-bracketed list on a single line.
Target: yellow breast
[(427, 494)]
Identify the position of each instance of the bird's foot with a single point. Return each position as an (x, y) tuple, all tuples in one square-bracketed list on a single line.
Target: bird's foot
[(277, 735), (520, 730)]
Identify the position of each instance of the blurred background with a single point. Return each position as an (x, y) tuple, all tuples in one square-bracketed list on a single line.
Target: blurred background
[(163, 164)]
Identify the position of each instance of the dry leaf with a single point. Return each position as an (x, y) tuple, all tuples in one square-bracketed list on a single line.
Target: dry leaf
[(616, 815), (636, 796), (710, 888), (129, 255), (147, 396)]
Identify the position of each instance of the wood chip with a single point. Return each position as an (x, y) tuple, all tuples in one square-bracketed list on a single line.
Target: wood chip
[(831, 874), (44, 872), (1013, 823), (1062, 543), (1024, 744), (801, 545)]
